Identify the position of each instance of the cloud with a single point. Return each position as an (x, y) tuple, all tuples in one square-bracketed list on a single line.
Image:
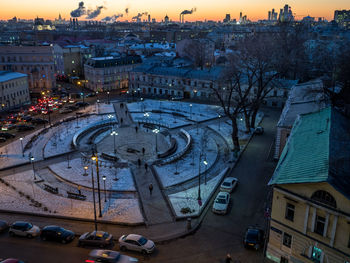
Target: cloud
[(79, 11)]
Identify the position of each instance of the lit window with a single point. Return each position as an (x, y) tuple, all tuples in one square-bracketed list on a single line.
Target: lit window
[(72, 61)]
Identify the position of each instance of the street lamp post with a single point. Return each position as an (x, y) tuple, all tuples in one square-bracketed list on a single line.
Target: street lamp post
[(93, 196), (85, 170), (21, 139), (156, 131), (108, 97), (199, 178), (95, 158), (205, 174), (32, 161), (191, 111), (114, 133), (219, 120), (104, 185)]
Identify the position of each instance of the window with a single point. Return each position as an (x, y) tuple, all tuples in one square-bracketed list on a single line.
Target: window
[(290, 212), (284, 260), (287, 240), (316, 254), (319, 225)]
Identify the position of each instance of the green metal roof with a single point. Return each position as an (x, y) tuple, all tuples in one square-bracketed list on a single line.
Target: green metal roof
[(305, 158)]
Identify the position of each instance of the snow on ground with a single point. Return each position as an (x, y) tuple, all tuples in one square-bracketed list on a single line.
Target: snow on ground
[(224, 127), (117, 210), (103, 108), (196, 112), (189, 197), (116, 179), (11, 154), (187, 167), (167, 120)]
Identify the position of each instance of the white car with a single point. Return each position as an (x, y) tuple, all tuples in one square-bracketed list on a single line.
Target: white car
[(24, 229), (109, 256), (221, 202), (137, 243), (229, 184)]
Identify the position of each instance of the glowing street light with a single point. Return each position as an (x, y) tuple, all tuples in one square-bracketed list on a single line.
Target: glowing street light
[(32, 161), (156, 131), (191, 111), (85, 170), (114, 133), (219, 120), (104, 185), (21, 139)]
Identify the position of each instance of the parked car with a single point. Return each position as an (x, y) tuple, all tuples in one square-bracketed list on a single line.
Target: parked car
[(81, 104), (259, 130), (25, 127), (2, 139), (65, 110), (7, 135), (72, 107), (95, 238), (108, 256), (39, 121), (4, 226), (253, 238), (27, 118), (25, 229), (56, 233), (221, 202), (11, 260), (137, 243), (229, 184)]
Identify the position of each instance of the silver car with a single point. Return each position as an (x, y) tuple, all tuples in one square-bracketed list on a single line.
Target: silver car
[(137, 243), (24, 229), (221, 202), (229, 184)]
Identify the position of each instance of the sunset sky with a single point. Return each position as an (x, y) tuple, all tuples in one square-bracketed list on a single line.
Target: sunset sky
[(206, 9)]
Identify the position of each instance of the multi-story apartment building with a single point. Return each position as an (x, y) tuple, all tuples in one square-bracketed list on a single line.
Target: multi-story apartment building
[(174, 82), (310, 217), (14, 90), (35, 61), (303, 98), (109, 73)]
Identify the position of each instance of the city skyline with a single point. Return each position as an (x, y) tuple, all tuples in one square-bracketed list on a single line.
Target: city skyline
[(254, 9)]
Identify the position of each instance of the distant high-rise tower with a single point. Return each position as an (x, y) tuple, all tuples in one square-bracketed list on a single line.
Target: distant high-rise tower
[(227, 18), (149, 18), (166, 19)]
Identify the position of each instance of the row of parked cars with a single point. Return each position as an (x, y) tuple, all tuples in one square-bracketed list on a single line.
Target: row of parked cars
[(99, 239)]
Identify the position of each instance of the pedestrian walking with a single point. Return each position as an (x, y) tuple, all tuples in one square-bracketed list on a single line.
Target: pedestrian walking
[(139, 162), (121, 105), (79, 189), (146, 166), (126, 112), (121, 121), (150, 187), (143, 151), (228, 258), (136, 129)]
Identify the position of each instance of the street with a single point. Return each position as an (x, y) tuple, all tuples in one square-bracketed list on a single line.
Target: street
[(217, 235)]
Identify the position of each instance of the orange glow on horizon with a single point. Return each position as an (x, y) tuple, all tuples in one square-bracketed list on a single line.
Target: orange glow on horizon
[(254, 9)]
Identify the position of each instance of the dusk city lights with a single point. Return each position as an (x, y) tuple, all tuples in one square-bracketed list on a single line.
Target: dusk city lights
[(174, 131)]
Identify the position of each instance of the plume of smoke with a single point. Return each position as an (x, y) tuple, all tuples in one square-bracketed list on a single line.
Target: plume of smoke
[(91, 14), (127, 10), (186, 12), (139, 15), (112, 18), (79, 11)]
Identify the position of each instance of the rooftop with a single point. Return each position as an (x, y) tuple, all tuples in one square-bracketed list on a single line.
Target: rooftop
[(9, 75), (318, 150)]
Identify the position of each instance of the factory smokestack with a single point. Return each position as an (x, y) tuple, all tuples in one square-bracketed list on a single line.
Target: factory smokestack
[(186, 12)]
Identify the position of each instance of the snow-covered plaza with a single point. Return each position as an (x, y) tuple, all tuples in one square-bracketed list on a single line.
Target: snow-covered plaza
[(120, 148)]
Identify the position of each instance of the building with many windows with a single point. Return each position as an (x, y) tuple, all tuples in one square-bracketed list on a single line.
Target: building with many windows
[(310, 218), (35, 61), (13, 89), (109, 73)]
